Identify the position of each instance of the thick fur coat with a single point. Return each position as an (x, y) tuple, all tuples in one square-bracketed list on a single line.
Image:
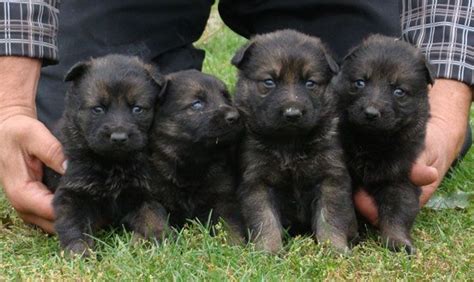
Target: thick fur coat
[(193, 144), (292, 168), (104, 130), (383, 87)]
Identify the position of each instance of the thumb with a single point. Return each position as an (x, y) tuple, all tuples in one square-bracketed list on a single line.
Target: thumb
[(44, 146), (366, 206), (422, 174)]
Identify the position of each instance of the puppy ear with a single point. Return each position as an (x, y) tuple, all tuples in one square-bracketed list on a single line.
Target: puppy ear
[(77, 70), (333, 65), (157, 77), (430, 77), (241, 54), (350, 53)]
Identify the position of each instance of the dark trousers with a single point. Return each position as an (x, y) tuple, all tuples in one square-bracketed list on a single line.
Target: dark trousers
[(162, 31), (340, 23)]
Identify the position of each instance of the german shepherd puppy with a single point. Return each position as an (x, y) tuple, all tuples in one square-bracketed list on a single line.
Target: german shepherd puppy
[(383, 89), (192, 142), (104, 130), (293, 173)]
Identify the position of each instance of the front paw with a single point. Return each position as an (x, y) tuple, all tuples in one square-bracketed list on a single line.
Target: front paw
[(269, 244), (78, 248), (337, 242), (147, 232), (327, 233), (399, 244), (397, 238), (149, 223)]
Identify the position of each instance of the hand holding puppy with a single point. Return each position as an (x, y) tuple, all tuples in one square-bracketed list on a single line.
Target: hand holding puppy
[(27, 143)]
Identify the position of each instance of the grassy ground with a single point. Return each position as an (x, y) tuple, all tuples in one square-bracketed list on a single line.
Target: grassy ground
[(445, 239)]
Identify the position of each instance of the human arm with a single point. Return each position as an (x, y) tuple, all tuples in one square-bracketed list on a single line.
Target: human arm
[(28, 40), (26, 143)]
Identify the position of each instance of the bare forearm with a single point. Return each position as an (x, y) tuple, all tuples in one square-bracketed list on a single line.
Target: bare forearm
[(18, 83), (450, 101), (26, 143)]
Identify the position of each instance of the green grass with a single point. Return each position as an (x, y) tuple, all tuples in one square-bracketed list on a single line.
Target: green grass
[(445, 239)]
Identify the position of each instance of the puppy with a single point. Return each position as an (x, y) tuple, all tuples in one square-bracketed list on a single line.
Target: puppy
[(293, 173), (384, 104), (104, 131), (192, 141)]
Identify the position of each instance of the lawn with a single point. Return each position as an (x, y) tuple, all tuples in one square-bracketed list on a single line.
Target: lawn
[(444, 238)]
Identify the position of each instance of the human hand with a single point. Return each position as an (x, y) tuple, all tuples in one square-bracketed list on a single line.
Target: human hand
[(450, 102), (26, 143)]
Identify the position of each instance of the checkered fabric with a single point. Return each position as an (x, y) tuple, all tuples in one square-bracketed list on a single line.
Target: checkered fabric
[(444, 31), (29, 28)]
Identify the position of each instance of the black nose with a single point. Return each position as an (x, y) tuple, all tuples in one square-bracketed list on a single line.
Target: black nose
[(119, 137), (292, 114), (232, 117), (371, 113)]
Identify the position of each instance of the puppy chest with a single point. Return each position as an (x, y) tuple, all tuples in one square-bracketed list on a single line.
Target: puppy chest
[(375, 168), (119, 179)]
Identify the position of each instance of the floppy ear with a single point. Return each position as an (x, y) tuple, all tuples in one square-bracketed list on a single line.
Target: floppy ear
[(430, 78), (157, 78), (333, 65), (241, 54), (350, 53), (77, 70)]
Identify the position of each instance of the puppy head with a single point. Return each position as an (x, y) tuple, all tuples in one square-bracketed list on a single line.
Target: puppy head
[(283, 77), (111, 103), (383, 85), (196, 109)]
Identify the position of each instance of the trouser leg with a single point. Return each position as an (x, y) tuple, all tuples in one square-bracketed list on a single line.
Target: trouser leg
[(340, 23)]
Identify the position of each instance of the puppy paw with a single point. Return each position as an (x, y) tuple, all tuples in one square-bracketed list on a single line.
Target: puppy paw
[(399, 244), (269, 245), (336, 242), (78, 248), (149, 222), (149, 232)]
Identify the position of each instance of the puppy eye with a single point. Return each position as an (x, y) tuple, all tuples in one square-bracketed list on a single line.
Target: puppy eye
[(310, 84), (137, 110), (269, 83), (399, 92), (197, 105), (98, 110), (360, 83)]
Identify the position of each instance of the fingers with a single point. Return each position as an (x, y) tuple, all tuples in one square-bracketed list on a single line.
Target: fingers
[(427, 192), (422, 174), (43, 145), (365, 205), (45, 225), (33, 199), (33, 202), (39, 200)]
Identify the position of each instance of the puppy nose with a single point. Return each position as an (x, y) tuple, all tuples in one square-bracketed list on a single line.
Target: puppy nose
[(292, 114), (232, 117), (119, 137), (371, 113)]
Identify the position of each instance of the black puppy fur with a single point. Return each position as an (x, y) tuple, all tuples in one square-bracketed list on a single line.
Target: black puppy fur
[(192, 142), (293, 173), (104, 130), (383, 87)]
